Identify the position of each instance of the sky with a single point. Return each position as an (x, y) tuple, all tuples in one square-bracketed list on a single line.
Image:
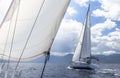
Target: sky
[(105, 27)]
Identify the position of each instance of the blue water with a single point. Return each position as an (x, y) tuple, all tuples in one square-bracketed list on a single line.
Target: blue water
[(33, 70)]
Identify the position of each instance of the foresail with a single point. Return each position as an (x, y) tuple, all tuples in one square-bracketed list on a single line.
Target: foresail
[(83, 49), (46, 26), (76, 55)]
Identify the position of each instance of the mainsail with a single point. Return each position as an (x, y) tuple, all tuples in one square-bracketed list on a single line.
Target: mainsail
[(17, 27), (83, 49)]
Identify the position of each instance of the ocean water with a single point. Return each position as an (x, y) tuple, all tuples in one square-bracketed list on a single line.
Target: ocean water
[(33, 70)]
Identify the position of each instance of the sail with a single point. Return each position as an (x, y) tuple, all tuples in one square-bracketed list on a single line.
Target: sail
[(45, 15), (83, 49)]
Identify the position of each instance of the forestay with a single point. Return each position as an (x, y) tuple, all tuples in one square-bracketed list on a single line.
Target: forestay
[(42, 36)]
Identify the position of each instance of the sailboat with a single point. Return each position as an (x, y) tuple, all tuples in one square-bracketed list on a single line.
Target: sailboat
[(82, 56), (28, 29)]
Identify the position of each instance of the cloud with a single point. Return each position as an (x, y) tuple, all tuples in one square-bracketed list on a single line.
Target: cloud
[(67, 36), (109, 9), (105, 44), (114, 40), (82, 2), (69, 31), (67, 28), (71, 11), (100, 27), (60, 54)]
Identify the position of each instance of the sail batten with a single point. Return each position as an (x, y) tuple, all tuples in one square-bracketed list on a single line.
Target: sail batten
[(43, 34), (83, 49)]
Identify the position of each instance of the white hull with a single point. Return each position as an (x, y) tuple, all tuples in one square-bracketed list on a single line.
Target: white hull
[(82, 66)]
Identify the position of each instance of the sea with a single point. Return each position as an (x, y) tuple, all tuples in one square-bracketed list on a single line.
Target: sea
[(53, 70)]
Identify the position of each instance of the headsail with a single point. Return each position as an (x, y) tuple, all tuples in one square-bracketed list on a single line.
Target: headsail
[(42, 36), (83, 49)]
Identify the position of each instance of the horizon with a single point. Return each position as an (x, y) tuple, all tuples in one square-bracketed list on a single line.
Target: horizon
[(61, 54)]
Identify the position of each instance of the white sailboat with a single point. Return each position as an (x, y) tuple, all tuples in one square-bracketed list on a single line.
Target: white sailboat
[(82, 56), (28, 29)]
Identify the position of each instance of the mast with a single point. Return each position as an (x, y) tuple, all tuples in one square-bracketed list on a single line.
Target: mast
[(86, 42), (83, 49)]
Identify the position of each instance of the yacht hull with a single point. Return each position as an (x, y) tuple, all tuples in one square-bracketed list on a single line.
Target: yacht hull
[(82, 66)]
